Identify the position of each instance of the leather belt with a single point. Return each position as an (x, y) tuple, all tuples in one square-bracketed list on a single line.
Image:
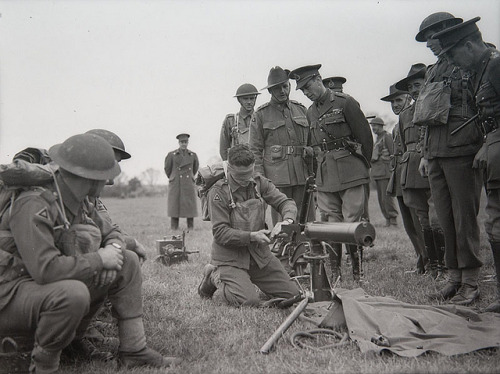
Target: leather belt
[(296, 150), (413, 147), (333, 145)]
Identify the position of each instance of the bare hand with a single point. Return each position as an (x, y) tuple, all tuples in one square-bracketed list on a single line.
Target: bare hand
[(260, 236), (105, 278), (481, 158), (140, 251), (423, 168), (112, 257)]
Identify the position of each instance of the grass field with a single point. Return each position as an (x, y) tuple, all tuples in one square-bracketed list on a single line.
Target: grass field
[(214, 338)]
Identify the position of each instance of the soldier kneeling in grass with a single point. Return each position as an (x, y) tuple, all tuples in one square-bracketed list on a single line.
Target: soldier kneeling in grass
[(241, 258)]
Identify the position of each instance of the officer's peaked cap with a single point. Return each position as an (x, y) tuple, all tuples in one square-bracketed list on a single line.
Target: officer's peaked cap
[(183, 136), (303, 74), (449, 37)]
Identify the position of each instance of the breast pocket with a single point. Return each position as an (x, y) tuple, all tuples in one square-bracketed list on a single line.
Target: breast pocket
[(272, 130), (336, 125)]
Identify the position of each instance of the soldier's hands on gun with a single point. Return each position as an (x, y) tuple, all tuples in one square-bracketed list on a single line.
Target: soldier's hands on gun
[(277, 229)]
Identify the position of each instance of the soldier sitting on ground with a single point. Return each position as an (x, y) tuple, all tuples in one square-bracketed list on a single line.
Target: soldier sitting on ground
[(68, 259)]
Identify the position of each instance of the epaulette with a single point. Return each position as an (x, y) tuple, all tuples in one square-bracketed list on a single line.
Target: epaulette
[(231, 115), (296, 102), (48, 195), (263, 106), (341, 94)]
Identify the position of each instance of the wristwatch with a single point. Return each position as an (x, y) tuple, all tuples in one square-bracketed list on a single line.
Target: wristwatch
[(116, 245), (289, 220)]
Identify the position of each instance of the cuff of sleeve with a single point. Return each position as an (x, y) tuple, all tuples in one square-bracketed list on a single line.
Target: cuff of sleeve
[(246, 238), (289, 216), (95, 262)]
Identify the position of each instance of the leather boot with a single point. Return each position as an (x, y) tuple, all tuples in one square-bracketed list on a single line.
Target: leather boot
[(495, 305), (335, 261), (430, 248), (451, 287), (439, 244), (469, 291), (207, 288), (133, 350), (84, 350)]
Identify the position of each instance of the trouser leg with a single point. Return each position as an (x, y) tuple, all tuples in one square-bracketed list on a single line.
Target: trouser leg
[(273, 280), (335, 261), (432, 252), (53, 312), (190, 223), (236, 286), (412, 227), (495, 305), (381, 192)]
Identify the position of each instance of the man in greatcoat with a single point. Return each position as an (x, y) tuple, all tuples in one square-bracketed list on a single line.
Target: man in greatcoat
[(180, 166), (343, 143), (380, 172), (236, 126)]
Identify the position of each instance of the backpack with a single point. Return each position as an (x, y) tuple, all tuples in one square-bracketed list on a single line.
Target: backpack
[(204, 180)]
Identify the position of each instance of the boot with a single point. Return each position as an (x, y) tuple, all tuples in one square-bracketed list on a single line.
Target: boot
[(335, 261), (44, 362), (83, 349), (469, 291), (451, 287), (174, 223), (133, 350), (495, 305), (430, 248), (439, 244), (207, 288)]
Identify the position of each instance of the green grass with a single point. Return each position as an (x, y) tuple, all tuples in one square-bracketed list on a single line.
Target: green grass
[(214, 338)]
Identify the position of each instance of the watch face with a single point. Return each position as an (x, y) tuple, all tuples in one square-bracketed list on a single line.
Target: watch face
[(116, 245)]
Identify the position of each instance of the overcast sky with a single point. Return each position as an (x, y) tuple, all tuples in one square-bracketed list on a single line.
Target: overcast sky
[(148, 70)]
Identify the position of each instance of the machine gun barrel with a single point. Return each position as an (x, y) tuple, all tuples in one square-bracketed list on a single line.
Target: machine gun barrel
[(360, 233)]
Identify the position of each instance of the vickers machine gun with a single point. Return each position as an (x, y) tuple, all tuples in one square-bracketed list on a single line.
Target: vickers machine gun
[(172, 251), (307, 243)]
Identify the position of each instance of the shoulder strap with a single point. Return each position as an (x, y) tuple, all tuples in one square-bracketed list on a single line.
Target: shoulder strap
[(232, 205)]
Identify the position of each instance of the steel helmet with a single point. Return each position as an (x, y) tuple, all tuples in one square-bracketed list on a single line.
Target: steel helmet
[(86, 155), (377, 121), (246, 89), (435, 21), (113, 139)]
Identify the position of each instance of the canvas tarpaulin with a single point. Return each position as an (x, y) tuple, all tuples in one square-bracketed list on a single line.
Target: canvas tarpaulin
[(378, 323)]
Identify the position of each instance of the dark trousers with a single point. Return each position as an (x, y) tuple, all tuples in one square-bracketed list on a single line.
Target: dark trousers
[(297, 194), (414, 231), (456, 188), (385, 201)]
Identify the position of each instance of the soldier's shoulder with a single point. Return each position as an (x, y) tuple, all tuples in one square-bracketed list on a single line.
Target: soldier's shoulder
[(263, 106), (298, 103), (34, 192), (342, 95), (230, 116)]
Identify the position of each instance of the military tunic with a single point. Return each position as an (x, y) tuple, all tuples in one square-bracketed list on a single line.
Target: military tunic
[(235, 130), (180, 168), (48, 287), (487, 97), (242, 263), (451, 176), (336, 118)]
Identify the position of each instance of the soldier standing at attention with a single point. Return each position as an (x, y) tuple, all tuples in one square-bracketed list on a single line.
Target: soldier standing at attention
[(236, 127), (463, 45), (447, 162), (278, 139), (343, 142), (381, 170), (65, 259), (180, 166), (400, 100), (416, 189)]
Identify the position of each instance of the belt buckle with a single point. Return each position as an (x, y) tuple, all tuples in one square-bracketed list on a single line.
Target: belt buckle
[(290, 149)]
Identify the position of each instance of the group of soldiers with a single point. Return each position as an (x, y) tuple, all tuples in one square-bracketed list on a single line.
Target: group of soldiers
[(436, 162), (61, 256)]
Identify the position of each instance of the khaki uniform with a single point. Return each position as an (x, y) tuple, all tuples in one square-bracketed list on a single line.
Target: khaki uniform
[(336, 118), (278, 134), (47, 288), (381, 173), (235, 130), (243, 264), (180, 168), (451, 176)]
